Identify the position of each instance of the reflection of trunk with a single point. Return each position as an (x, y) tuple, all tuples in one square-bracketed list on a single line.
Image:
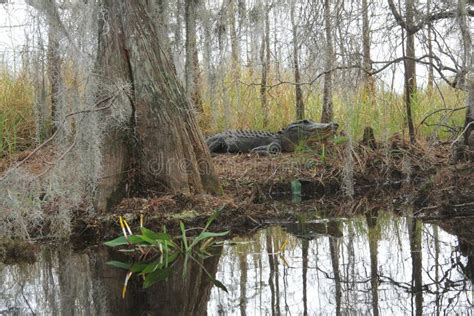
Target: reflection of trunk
[(296, 67), (304, 248), (373, 235), (272, 270), (175, 161), (334, 250), (436, 250), (243, 283), (327, 113), (177, 295), (415, 234)]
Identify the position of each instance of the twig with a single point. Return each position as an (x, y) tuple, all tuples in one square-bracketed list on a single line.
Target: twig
[(462, 133), (20, 163)]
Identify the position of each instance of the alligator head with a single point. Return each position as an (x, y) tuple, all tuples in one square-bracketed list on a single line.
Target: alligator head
[(307, 129)]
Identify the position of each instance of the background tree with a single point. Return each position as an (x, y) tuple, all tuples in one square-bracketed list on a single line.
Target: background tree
[(327, 112), (298, 93)]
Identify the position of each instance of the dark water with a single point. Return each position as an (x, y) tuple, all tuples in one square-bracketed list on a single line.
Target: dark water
[(358, 266)]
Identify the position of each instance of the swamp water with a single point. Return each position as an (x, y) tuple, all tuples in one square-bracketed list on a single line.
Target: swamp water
[(357, 266)]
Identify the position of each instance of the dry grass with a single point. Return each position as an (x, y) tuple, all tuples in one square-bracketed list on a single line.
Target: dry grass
[(352, 110), (17, 124)]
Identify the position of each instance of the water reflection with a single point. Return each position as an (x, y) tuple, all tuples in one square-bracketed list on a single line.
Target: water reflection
[(369, 265), (375, 265)]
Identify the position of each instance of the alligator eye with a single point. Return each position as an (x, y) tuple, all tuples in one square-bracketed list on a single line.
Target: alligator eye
[(306, 121)]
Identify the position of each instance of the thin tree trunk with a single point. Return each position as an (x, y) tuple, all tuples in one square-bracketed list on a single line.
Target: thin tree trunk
[(191, 68), (235, 51), (296, 67), (430, 51), (54, 73), (265, 60), (208, 65), (327, 113), (410, 67), (366, 43)]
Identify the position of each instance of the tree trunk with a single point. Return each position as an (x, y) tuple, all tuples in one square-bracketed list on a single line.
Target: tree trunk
[(209, 67), (327, 114), (369, 79), (54, 73), (265, 60), (468, 62), (235, 51), (410, 67), (191, 68), (296, 67), (169, 153), (430, 52)]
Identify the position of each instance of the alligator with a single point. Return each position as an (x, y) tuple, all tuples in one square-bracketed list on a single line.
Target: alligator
[(285, 140)]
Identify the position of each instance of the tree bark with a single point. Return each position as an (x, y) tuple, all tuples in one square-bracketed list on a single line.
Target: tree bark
[(327, 113), (235, 51), (468, 62), (54, 73), (169, 154), (265, 60), (296, 68), (369, 79), (410, 67), (191, 68), (430, 52)]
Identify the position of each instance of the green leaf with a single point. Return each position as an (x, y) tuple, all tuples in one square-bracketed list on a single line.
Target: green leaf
[(183, 235), (153, 235), (138, 267), (219, 284), (120, 241), (213, 217), (119, 264), (152, 266), (205, 235), (156, 276)]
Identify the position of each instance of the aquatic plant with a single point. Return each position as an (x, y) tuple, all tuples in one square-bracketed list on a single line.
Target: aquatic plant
[(156, 253)]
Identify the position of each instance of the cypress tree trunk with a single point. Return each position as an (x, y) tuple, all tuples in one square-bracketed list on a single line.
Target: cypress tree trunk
[(168, 154)]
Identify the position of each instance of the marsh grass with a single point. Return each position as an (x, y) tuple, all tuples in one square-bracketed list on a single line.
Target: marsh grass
[(17, 130), (386, 114)]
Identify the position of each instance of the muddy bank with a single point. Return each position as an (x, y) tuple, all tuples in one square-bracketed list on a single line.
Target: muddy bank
[(258, 190)]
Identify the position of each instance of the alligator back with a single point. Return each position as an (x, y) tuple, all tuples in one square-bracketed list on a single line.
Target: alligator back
[(235, 141)]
